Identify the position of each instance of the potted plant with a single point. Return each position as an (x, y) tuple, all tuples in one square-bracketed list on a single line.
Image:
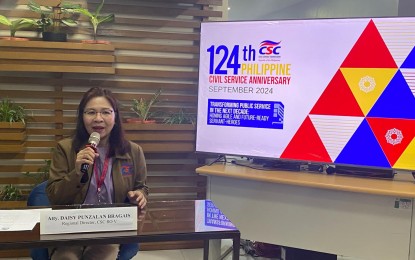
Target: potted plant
[(11, 112), (10, 192), (142, 108), (16, 25), (42, 174), (12, 197), (53, 18), (12, 126), (95, 19), (180, 117)]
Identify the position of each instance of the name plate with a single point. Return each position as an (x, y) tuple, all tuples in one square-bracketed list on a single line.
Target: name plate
[(63, 221)]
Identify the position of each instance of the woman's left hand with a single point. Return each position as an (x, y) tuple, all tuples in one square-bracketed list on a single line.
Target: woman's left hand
[(137, 197)]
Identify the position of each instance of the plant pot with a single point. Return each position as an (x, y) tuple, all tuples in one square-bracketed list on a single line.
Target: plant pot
[(13, 204), (139, 121), (96, 41), (54, 37), (14, 39), (12, 137)]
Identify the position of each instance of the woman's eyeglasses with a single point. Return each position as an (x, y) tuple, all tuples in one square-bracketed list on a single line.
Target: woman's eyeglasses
[(104, 113)]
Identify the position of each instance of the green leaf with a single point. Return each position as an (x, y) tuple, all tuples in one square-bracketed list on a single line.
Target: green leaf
[(10, 192), (23, 23), (97, 12), (84, 12), (142, 107), (11, 112), (104, 19), (4, 20), (68, 6), (69, 22), (33, 6)]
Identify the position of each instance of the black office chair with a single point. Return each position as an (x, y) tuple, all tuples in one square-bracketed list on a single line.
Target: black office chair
[(38, 197)]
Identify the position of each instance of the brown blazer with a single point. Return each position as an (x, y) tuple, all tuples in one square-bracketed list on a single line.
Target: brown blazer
[(129, 172)]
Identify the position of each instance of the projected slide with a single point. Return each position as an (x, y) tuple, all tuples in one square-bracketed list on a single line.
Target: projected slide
[(327, 90), (209, 218)]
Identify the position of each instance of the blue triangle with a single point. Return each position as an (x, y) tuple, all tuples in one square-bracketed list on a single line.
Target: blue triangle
[(409, 62), (363, 149), (396, 101)]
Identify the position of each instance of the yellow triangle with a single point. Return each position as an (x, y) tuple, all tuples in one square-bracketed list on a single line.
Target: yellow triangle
[(367, 84), (407, 159)]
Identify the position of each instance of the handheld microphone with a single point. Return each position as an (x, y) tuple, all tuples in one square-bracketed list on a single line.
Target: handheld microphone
[(93, 142)]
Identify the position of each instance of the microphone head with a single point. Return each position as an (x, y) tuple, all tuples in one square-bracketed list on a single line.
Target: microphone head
[(94, 138)]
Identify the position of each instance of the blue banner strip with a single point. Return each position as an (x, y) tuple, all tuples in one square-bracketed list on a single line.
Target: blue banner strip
[(246, 113)]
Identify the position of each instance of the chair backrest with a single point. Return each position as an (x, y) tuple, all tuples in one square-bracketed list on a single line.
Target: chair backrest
[(38, 197)]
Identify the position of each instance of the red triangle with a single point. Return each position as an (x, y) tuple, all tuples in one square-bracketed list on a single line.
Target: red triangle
[(337, 99), (370, 51), (306, 145), (380, 127)]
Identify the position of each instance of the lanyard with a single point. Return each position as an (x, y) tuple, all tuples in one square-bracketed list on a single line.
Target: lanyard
[(100, 179)]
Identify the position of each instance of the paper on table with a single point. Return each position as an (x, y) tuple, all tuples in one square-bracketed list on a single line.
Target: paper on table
[(18, 220)]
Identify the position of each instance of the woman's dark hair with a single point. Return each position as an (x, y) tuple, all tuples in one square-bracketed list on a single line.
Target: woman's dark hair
[(117, 141)]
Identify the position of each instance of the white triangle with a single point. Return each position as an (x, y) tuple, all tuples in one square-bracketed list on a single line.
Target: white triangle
[(395, 34), (409, 75), (335, 131)]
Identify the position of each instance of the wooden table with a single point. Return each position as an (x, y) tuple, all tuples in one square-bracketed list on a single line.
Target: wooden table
[(153, 227)]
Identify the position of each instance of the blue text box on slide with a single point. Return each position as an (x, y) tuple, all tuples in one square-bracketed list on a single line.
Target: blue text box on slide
[(246, 113)]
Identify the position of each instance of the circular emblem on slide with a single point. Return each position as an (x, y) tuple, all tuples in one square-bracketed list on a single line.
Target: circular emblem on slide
[(367, 84), (394, 136)]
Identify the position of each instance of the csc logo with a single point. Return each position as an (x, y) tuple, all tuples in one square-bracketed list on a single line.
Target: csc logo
[(269, 48)]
